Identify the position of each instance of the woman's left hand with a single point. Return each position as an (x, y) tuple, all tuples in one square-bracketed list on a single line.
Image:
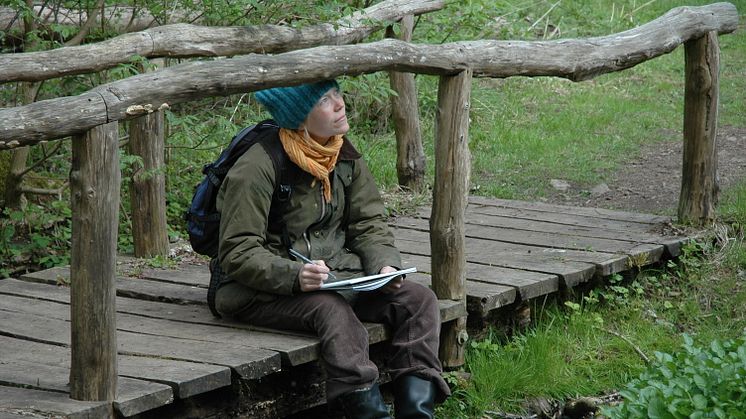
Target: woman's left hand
[(395, 283)]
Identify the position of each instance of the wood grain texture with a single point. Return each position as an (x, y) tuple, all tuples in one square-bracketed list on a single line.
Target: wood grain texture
[(148, 186), (186, 40), (699, 181), (27, 402), (94, 189), (575, 59), (405, 113)]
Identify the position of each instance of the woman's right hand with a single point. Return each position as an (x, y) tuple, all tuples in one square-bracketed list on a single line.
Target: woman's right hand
[(312, 275)]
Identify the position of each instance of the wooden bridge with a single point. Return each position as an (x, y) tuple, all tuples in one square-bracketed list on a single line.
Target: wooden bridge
[(171, 351), (125, 340)]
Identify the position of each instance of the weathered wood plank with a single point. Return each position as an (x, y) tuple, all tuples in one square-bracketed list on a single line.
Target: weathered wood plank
[(247, 362), (450, 310), (603, 213), (133, 396), (48, 404), (527, 284), (524, 219), (573, 267), (575, 59), (184, 274), (651, 252), (196, 322), (185, 378), (131, 287), (294, 349), (661, 232)]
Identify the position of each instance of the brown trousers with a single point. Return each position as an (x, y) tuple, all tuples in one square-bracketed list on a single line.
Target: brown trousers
[(411, 313)]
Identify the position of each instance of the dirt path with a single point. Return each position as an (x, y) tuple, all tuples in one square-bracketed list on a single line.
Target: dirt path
[(652, 182)]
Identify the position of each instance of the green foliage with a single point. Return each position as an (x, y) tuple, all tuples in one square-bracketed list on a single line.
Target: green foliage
[(36, 238), (693, 383)]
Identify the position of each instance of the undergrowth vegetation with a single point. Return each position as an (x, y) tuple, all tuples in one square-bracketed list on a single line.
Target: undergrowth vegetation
[(671, 337)]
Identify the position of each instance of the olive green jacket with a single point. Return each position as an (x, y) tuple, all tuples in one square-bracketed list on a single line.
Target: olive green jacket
[(349, 234)]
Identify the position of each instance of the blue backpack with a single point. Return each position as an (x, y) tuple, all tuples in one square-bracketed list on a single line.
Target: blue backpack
[(203, 218)]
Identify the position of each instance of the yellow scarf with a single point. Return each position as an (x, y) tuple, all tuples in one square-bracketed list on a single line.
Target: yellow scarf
[(316, 159)]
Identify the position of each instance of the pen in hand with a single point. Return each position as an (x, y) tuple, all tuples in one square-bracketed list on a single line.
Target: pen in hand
[(295, 253)]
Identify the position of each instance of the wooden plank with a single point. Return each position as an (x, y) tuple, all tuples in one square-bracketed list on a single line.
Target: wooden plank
[(192, 274), (481, 297), (450, 309), (295, 349), (573, 267), (650, 252), (25, 415), (248, 362), (132, 396), (664, 233), (186, 379), (25, 401), (131, 287), (528, 284), (195, 322), (567, 209)]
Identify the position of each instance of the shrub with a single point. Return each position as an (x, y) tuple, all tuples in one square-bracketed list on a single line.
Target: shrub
[(694, 383)]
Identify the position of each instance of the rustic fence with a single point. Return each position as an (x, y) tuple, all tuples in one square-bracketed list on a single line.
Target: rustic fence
[(91, 119)]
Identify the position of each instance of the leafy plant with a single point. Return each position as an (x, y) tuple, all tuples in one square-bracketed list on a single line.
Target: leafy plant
[(36, 238), (693, 383)]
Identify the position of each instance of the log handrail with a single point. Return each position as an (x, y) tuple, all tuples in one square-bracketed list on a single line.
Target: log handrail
[(575, 59), (186, 40)]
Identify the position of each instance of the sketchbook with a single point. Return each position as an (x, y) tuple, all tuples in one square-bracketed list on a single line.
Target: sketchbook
[(366, 283)]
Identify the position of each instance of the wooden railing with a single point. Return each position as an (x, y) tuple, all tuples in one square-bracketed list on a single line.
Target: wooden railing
[(91, 118)]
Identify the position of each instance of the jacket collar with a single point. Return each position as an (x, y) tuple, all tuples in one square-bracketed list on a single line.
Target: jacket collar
[(348, 151)]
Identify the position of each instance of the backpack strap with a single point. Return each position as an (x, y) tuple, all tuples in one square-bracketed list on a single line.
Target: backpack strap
[(283, 188)]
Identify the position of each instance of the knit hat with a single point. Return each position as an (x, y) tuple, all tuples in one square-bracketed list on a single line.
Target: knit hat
[(290, 106)]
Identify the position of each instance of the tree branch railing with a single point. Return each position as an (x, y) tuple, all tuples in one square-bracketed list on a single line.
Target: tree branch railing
[(186, 40), (574, 59)]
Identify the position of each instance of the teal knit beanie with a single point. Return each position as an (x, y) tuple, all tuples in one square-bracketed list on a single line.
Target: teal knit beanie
[(290, 106)]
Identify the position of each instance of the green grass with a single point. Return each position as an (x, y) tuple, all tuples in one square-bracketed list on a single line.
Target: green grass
[(525, 131), (570, 351)]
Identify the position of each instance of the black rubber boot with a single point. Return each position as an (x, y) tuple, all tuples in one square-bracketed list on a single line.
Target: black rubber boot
[(414, 398), (365, 403)]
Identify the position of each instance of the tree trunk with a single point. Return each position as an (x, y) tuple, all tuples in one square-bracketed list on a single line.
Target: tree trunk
[(410, 161), (14, 195), (450, 193), (94, 182), (148, 186), (699, 180)]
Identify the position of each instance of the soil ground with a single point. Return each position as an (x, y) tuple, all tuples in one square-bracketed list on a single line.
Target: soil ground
[(651, 183)]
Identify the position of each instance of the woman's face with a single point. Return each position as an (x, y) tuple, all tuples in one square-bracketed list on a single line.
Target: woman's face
[(327, 118)]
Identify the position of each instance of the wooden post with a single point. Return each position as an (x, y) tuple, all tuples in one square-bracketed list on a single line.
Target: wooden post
[(148, 186), (410, 161), (95, 185), (450, 191), (699, 182)]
